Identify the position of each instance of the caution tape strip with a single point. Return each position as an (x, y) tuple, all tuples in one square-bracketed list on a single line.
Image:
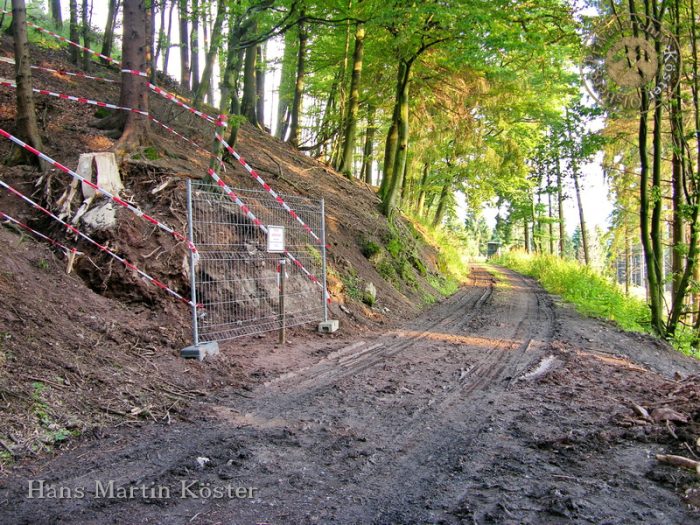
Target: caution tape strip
[(136, 211), (174, 99), (107, 105), (75, 74), (257, 222), (256, 176), (64, 39), (38, 234), (102, 247)]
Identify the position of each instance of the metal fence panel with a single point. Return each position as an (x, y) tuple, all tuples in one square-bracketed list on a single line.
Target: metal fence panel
[(236, 280)]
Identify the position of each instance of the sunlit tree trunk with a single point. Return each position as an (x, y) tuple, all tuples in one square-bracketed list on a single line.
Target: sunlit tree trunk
[(86, 7), (368, 151), (56, 16), (348, 148), (295, 118), (397, 141), (108, 41), (260, 68), (184, 46), (194, 44), (73, 31), (210, 60)]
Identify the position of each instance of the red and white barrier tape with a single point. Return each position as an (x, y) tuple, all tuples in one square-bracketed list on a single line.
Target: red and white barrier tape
[(64, 39), (257, 222), (103, 248), (75, 74), (83, 100), (174, 99), (217, 121), (136, 211), (269, 189), (38, 234), (162, 92)]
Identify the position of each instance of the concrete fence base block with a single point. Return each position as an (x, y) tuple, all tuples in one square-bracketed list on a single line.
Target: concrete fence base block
[(200, 351), (328, 327)]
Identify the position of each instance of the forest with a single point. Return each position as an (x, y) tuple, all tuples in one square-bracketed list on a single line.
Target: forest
[(446, 107)]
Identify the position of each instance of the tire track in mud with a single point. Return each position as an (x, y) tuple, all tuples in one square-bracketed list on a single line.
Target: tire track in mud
[(355, 453), (441, 424), (460, 310)]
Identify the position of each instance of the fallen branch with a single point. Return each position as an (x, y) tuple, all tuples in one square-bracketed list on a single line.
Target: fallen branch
[(679, 461)]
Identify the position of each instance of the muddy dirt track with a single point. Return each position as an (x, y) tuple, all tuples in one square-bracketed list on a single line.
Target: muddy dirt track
[(494, 406)]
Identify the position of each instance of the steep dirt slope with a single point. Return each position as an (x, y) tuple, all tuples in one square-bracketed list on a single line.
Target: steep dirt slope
[(101, 345)]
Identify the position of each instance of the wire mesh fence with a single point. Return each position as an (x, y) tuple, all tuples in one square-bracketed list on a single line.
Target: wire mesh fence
[(236, 280)]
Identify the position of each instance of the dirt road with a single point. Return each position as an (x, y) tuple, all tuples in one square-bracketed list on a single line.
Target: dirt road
[(495, 406)]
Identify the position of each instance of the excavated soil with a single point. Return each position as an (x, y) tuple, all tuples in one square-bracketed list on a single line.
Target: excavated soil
[(497, 405)]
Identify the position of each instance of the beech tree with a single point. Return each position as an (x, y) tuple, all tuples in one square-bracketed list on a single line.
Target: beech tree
[(27, 127)]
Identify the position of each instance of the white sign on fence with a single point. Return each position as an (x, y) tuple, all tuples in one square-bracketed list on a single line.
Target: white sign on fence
[(275, 239)]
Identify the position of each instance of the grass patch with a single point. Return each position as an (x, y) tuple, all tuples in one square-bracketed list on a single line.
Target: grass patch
[(592, 294)]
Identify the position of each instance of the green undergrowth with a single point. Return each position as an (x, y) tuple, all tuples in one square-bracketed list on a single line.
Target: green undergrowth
[(452, 260), (594, 294), (591, 293)]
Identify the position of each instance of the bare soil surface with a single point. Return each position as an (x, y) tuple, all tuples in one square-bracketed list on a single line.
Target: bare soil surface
[(496, 405)]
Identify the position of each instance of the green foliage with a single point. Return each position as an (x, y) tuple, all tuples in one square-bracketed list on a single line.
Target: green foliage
[(352, 285), (42, 264), (102, 113), (592, 293), (150, 153), (685, 340), (387, 270), (444, 284), (394, 247), (369, 248)]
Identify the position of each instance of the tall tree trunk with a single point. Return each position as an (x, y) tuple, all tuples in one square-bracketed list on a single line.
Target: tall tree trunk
[(295, 117), (442, 204), (526, 234), (56, 16), (194, 44), (135, 129), (210, 61), (168, 38), (550, 213), (286, 87), (627, 260), (368, 151), (341, 93), (151, 65), (390, 199), (160, 41), (581, 217), (260, 67), (87, 6), (248, 104), (345, 164), (73, 31), (184, 46), (108, 41), (420, 204), (560, 205), (27, 127), (390, 146)]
